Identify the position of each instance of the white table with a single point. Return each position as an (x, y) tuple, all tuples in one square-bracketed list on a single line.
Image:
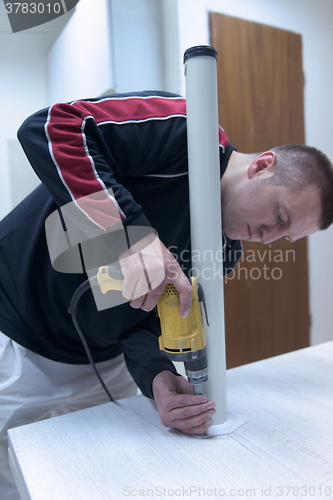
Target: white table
[(115, 451)]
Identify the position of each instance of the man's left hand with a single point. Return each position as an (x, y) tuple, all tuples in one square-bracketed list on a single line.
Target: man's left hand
[(178, 407)]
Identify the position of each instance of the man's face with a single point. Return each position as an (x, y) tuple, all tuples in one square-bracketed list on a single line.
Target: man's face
[(259, 211)]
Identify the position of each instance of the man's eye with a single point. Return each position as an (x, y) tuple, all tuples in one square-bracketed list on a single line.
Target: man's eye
[(279, 218)]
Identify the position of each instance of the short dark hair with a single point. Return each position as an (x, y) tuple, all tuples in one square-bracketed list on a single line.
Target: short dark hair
[(298, 166)]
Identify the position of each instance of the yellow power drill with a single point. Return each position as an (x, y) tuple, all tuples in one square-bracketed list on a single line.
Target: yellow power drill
[(181, 339)]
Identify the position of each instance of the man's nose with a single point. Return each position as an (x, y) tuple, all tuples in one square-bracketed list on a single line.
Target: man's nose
[(271, 233)]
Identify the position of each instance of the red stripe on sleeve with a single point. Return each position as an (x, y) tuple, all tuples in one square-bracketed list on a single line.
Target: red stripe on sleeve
[(223, 139), (67, 141), (132, 108), (75, 167)]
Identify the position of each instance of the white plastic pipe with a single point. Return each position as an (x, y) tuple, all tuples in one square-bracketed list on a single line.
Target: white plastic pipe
[(205, 207)]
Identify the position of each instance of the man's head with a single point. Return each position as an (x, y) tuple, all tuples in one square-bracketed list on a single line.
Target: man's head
[(285, 192)]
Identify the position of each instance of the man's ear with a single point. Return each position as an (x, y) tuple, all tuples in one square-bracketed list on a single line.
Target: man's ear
[(262, 164)]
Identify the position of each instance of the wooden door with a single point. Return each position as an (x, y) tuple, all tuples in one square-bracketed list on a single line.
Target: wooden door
[(260, 81)]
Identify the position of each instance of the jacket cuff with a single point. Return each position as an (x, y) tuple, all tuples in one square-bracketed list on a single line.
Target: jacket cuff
[(136, 219), (156, 365)]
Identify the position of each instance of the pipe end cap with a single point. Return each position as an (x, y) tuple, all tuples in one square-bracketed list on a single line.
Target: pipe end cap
[(200, 50)]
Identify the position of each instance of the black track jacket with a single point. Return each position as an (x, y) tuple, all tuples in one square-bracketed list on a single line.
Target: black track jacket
[(135, 144)]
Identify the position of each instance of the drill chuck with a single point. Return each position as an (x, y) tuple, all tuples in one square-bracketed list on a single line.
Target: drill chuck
[(197, 372), (197, 379)]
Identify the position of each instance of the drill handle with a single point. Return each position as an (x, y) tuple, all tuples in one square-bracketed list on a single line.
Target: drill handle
[(106, 282)]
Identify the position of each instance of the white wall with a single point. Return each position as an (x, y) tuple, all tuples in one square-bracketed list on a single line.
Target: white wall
[(21, 85), (79, 63), (313, 20), (107, 46), (172, 56), (23, 90), (137, 42)]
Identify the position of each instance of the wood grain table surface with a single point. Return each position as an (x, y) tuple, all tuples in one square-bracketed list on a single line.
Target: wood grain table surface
[(121, 450)]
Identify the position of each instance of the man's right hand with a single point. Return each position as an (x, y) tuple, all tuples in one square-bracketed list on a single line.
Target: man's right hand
[(147, 267)]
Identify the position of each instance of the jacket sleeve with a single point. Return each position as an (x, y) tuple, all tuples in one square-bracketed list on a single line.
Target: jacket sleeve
[(85, 147), (143, 358)]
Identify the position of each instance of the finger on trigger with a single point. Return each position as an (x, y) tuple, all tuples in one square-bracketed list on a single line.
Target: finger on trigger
[(185, 298)]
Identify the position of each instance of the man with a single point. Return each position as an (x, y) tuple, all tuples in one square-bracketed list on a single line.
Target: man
[(131, 150)]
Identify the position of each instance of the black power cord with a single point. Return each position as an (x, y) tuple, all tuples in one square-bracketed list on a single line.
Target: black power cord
[(72, 310)]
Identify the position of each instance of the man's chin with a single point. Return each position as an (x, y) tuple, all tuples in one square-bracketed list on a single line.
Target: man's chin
[(230, 235)]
